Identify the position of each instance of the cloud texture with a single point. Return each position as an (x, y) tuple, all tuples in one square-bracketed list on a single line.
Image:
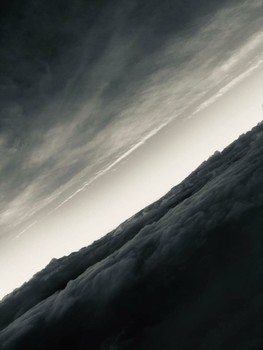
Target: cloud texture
[(184, 273)]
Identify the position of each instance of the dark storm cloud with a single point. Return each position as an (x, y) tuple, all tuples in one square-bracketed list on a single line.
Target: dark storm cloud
[(184, 272), (83, 82)]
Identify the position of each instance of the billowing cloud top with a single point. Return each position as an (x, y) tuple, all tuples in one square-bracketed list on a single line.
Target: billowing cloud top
[(184, 273), (84, 82)]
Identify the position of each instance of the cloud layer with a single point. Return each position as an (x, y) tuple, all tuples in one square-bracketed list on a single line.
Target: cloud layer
[(185, 272)]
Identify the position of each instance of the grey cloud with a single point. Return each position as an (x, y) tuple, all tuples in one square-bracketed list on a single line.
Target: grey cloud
[(185, 272)]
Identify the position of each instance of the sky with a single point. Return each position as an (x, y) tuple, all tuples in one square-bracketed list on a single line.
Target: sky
[(106, 105)]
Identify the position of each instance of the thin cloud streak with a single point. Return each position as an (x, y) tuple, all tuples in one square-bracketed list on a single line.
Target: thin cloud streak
[(227, 87), (101, 173)]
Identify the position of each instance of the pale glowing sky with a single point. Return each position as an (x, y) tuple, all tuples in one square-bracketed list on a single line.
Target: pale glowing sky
[(80, 170)]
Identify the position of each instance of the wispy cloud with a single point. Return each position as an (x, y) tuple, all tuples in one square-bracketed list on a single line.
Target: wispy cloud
[(110, 92)]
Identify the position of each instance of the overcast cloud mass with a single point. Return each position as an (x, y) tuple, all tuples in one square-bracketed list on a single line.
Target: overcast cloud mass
[(184, 273), (83, 83)]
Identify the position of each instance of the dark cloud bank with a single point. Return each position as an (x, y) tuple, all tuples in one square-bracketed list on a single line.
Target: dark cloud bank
[(184, 273)]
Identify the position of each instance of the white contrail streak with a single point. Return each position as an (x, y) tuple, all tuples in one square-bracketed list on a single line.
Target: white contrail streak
[(102, 172), (227, 88), (109, 167)]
